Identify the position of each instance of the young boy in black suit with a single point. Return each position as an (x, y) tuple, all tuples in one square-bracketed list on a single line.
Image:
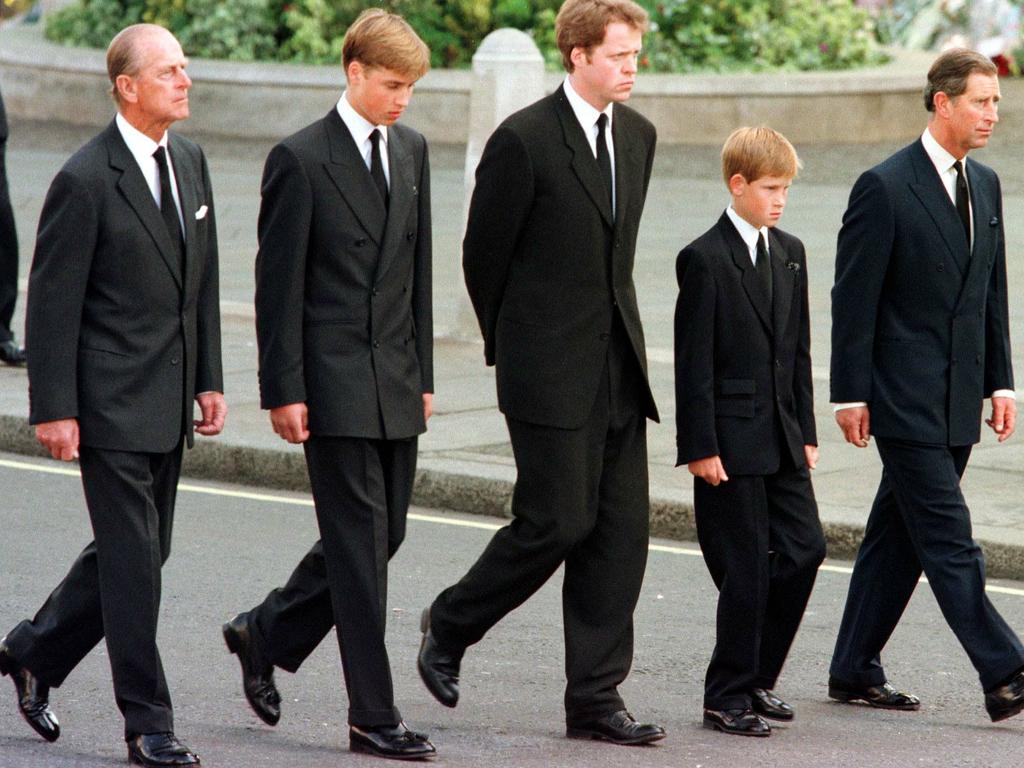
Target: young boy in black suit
[(745, 428)]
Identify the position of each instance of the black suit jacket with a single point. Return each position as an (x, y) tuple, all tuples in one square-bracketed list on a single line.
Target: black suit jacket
[(546, 265), (743, 363), (920, 323), (343, 285), (121, 339)]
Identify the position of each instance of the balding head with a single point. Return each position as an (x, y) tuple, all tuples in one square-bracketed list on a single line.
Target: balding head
[(126, 53)]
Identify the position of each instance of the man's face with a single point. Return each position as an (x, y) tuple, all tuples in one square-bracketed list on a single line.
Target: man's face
[(380, 95), (972, 115), (760, 202), (607, 72), (158, 93)]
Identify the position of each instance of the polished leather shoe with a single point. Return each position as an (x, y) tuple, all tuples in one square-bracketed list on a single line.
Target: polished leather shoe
[(1007, 699), (767, 704), (738, 722), (882, 696), (257, 674), (159, 749), (11, 353), (618, 728), (438, 666), (33, 696), (396, 742)]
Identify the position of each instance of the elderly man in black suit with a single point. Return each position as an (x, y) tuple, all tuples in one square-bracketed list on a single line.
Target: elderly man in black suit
[(548, 258), (124, 321), (920, 336), (345, 332), (10, 352)]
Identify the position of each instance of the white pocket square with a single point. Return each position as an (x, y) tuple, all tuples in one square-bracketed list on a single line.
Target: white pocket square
[(201, 213)]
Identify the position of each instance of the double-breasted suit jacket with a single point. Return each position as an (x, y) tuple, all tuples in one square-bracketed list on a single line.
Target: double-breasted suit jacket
[(920, 326), (743, 363), (360, 352), (124, 339)]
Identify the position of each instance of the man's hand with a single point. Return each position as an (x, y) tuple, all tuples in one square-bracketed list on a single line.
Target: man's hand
[(60, 438), (710, 470), (855, 424), (1004, 417), (811, 456), (214, 409), (291, 422), (428, 405)]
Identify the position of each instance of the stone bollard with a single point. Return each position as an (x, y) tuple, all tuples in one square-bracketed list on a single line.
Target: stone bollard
[(508, 74)]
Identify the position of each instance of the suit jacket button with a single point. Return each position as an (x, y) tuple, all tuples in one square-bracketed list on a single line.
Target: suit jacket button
[(376, 344), (361, 242), (174, 361), (940, 266), (977, 359), (605, 336), (410, 235), (373, 292)]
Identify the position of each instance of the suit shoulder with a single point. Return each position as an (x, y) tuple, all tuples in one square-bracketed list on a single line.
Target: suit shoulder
[(704, 250), (789, 241), (636, 121), (533, 120), (305, 140)]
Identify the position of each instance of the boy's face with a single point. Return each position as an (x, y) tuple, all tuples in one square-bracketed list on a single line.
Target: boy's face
[(380, 95), (760, 202)]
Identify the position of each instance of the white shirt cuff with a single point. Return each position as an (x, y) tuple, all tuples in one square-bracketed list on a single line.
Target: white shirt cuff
[(1004, 393), (844, 406)]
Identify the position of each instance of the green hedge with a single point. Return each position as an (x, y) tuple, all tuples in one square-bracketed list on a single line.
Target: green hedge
[(686, 36)]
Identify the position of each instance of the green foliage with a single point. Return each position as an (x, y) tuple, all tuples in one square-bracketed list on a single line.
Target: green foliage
[(685, 36)]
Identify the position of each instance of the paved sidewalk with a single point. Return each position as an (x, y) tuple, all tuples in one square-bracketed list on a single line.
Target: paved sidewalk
[(465, 457)]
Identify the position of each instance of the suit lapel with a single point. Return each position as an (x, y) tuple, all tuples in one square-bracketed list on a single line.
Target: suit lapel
[(748, 277), (929, 189), (350, 175), (403, 192), (783, 280), (137, 194), (584, 164)]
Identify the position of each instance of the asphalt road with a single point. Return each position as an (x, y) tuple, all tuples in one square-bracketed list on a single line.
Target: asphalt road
[(232, 544)]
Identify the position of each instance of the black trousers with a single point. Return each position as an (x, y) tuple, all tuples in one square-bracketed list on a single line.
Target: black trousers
[(762, 542), (113, 589), (920, 521), (361, 490), (8, 240), (581, 498)]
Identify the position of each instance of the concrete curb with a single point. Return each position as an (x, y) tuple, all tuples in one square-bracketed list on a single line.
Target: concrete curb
[(459, 492)]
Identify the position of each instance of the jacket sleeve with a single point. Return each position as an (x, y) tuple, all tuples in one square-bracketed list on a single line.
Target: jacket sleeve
[(501, 202), (66, 240), (209, 372), (862, 259), (694, 359), (422, 310), (803, 382), (998, 365), (286, 211)]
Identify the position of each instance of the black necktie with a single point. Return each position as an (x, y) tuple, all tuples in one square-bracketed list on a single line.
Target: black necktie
[(763, 266), (963, 205), (604, 160), (377, 167), (168, 210)]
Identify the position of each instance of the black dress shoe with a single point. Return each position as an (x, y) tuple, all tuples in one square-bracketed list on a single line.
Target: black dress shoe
[(739, 722), (767, 704), (882, 696), (11, 353), (33, 696), (1007, 699), (396, 742), (257, 674), (618, 728), (159, 749), (438, 666)]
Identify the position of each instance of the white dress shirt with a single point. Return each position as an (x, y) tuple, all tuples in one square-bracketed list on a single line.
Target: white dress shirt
[(587, 115), (142, 148), (361, 128), (749, 233)]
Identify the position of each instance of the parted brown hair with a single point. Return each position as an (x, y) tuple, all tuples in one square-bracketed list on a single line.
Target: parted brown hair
[(950, 71), (758, 152), (381, 39), (581, 23), (124, 56)]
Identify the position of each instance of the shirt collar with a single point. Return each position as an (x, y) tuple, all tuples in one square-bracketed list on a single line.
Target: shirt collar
[(584, 111), (940, 157), (357, 125), (747, 230), (139, 144)]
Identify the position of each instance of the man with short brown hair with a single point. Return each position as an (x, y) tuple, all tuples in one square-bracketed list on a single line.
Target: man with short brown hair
[(920, 337), (548, 258)]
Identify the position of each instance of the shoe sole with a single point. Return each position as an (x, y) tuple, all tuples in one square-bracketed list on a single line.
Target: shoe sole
[(711, 725), (584, 735), (365, 749), (133, 761), (436, 692), (779, 718), (233, 643), (852, 698), (1016, 709)]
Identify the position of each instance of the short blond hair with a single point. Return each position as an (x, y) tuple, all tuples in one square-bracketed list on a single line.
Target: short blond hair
[(381, 39), (124, 56), (758, 152), (582, 24)]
